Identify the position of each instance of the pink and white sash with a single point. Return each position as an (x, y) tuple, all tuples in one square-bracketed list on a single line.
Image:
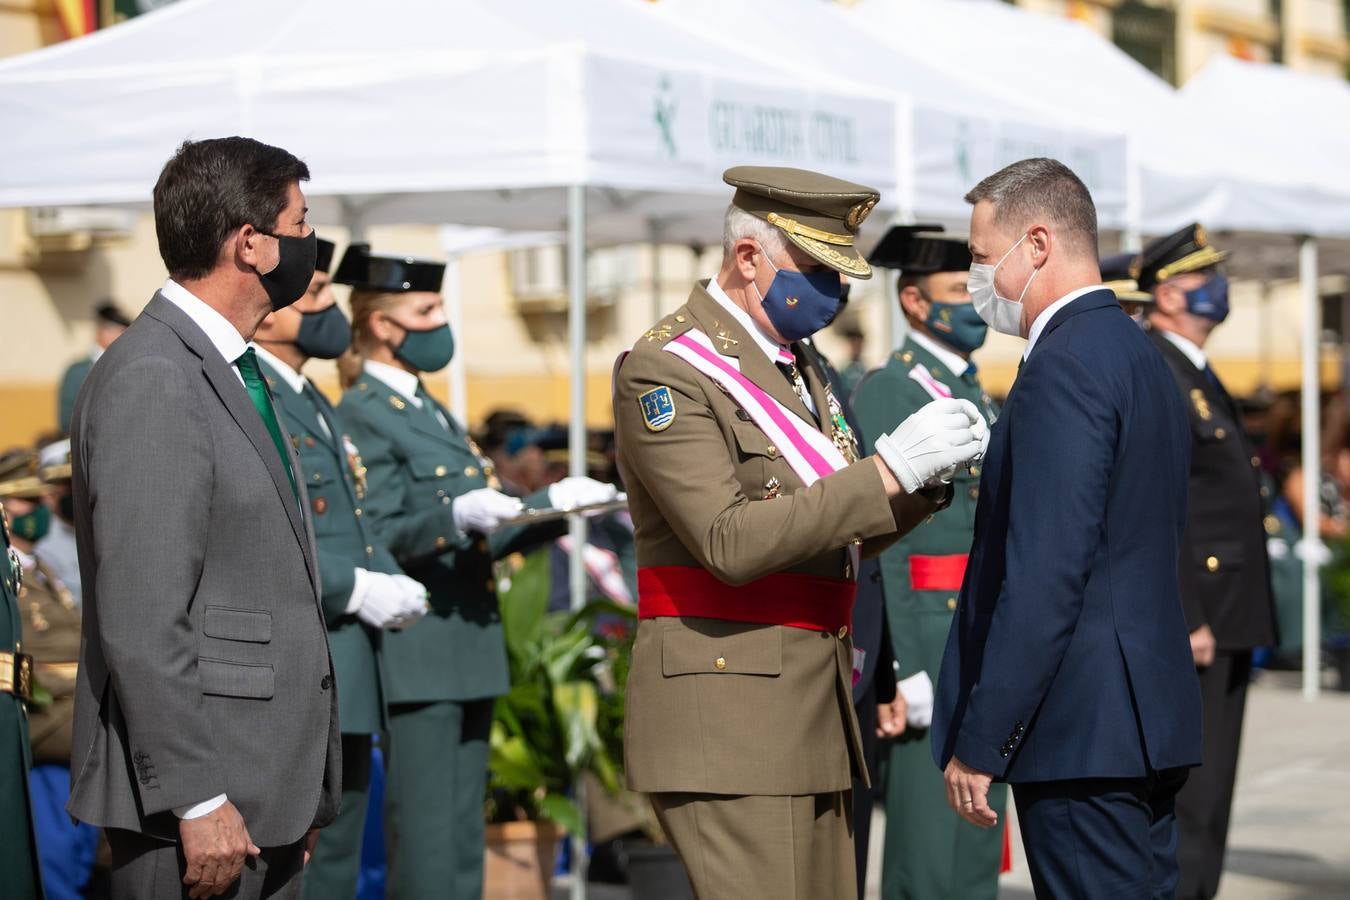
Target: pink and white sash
[(810, 453), (935, 389)]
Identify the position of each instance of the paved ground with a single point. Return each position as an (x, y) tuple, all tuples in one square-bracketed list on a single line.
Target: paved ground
[(1291, 820)]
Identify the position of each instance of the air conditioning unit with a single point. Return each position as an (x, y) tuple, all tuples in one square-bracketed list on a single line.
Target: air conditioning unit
[(101, 221), (539, 280)]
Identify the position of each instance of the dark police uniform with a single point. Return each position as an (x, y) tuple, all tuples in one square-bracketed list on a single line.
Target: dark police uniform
[(444, 673), (18, 848), (930, 852), (1224, 572)]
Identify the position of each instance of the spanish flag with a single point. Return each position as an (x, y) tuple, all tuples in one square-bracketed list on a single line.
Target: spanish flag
[(78, 17)]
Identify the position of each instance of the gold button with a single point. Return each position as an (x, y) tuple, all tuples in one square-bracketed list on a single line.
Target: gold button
[(1220, 433), (441, 541), (441, 471), (1271, 524), (317, 478), (358, 512), (720, 662), (951, 603), (370, 551), (975, 470), (771, 450), (680, 319), (445, 500), (843, 632), (1212, 564), (470, 471), (1256, 462)]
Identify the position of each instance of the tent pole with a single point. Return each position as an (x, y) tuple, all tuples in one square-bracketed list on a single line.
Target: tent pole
[(576, 445), (654, 236), (454, 311), (1312, 459)]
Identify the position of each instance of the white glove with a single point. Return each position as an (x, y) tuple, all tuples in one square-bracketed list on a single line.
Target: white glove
[(483, 510), (387, 601), (580, 491), (917, 690), (929, 446), (1314, 549)]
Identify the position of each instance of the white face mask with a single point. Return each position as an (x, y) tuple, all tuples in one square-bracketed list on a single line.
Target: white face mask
[(1000, 313)]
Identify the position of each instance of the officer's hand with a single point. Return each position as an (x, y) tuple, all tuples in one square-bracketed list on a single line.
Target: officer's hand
[(415, 599), (891, 717), (311, 839), (930, 445), (387, 601), (968, 793), (578, 491), (917, 690), (484, 510), (1203, 646), (214, 848)]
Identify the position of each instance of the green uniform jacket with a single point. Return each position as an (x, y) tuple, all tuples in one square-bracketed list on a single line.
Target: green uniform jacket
[(415, 470), (930, 854), (71, 382), (18, 848), (345, 543)]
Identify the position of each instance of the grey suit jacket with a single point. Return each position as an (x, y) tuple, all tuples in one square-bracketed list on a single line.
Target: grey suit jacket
[(204, 667)]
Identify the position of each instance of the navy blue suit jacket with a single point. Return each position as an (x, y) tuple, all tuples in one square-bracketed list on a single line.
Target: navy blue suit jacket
[(1068, 656)]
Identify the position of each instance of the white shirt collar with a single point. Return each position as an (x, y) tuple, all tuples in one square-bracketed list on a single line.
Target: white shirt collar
[(401, 382), (1049, 313), (762, 340), (1188, 347), (222, 335), (288, 375), (95, 353), (955, 362)]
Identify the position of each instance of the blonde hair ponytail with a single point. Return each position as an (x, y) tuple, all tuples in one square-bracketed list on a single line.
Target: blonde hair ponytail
[(363, 304)]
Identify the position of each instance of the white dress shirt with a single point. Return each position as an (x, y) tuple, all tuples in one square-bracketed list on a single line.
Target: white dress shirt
[(955, 362), (223, 336), (231, 345), (762, 340), (1188, 347), (1049, 313)]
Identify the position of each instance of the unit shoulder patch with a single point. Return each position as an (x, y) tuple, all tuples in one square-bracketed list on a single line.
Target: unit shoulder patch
[(658, 408)]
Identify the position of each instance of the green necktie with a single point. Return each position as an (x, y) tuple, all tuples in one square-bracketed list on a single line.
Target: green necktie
[(262, 402)]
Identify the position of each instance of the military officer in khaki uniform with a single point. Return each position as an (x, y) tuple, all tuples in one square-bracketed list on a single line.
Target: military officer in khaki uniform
[(364, 590), (752, 510), (18, 847), (931, 852)]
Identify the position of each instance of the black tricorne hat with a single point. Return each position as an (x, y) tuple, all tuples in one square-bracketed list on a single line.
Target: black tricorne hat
[(920, 250), (362, 269)]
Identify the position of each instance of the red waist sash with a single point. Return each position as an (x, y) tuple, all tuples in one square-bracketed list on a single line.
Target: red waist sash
[(937, 573), (784, 598)]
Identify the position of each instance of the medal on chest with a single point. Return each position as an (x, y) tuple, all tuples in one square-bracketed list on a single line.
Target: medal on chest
[(844, 438), (485, 464), (357, 467)]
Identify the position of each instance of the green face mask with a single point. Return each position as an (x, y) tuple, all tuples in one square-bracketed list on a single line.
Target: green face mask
[(427, 351), (32, 526), (958, 325)]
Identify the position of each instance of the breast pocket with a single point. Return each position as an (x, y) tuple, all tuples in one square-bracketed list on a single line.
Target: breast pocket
[(440, 480), (226, 623), (757, 651)]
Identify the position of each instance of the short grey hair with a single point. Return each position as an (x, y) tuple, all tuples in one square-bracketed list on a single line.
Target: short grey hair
[(737, 224), (1045, 190)]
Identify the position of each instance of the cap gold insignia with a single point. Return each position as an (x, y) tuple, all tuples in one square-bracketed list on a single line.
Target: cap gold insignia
[(792, 301), (396, 403), (1201, 404), (727, 340), (858, 213), (772, 488), (1201, 238), (659, 333)]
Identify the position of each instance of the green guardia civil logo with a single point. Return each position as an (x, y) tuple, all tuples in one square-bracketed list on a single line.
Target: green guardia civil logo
[(664, 115)]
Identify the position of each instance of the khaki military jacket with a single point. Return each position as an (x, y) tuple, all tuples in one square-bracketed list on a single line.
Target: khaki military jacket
[(727, 707), (51, 633)]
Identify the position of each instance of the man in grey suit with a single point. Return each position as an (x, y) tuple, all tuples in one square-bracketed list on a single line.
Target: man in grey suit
[(206, 735)]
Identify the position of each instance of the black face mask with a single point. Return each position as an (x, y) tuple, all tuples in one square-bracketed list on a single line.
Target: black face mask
[(288, 282), (65, 508), (325, 334)]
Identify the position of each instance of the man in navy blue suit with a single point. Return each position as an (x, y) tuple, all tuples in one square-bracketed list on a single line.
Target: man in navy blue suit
[(1068, 670)]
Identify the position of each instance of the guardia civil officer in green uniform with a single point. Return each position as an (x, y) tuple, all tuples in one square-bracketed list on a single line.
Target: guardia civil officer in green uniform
[(434, 500), (930, 852), (364, 590), (109, 323), (18, 848)]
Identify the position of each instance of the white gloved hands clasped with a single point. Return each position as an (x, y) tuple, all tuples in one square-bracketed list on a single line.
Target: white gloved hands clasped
[(387, 601), (917, 690), (929, 446), (580, 491), (484, 510)]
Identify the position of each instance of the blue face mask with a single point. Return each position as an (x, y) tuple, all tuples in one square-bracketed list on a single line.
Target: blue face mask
[(1209, 300), (801, 303), (957, 325)]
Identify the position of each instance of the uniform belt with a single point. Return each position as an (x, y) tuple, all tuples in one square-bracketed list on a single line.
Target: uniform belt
[(16, 674), (784, 598), (937, 573)]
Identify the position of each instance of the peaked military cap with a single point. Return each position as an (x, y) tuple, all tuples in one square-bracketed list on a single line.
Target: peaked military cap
[(362, 269), (324, 259), (1181, 252), (108, 313), (816, 212), (19, 475), (1116, 274), (920, 250), (54, 461)]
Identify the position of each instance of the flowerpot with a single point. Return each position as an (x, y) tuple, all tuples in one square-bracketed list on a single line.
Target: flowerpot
[(656, 873), (518, 863)]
